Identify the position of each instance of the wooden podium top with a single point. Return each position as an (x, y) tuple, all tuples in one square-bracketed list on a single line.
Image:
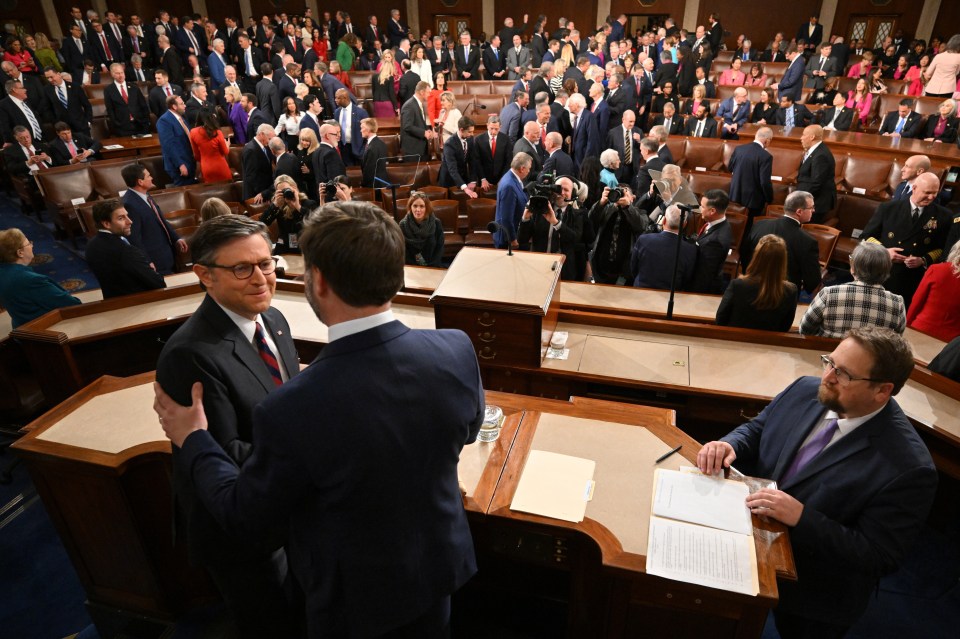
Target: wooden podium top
[(524, 282)]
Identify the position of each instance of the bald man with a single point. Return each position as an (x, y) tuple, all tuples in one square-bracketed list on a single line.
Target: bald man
[(914, 166), (816, 173)]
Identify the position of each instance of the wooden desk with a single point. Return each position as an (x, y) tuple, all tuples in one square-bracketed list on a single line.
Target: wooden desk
[(132, 147), (101, 464)]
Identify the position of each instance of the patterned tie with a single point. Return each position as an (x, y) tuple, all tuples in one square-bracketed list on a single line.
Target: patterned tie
[(789, 118), (809, 451), (136, 44), (32, 119), (627, 147), (156, 211), (62, 94), (269, 359)]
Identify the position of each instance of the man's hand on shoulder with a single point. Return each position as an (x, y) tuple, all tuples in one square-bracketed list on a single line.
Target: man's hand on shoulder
[(179, 421)]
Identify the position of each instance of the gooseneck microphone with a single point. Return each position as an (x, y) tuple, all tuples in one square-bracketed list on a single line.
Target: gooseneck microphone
[(495, 226)]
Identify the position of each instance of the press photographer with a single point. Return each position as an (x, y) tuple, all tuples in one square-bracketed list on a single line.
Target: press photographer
[(288, 207), (618, 223), (552, 223)]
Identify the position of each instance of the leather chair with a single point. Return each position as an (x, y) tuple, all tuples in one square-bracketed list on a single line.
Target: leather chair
[(235, 161), (478, 88), (465, 101), (154, 164), (826, 237), (700, 153), (354, 176), (494, 103), (448, 212), (503, 87), (100, 129), (99, 108), (866, 176), (171, 199), (435, 193), (853, 213), (480, 213), (393, 144), (403, 192), (61, 185), (457, 86), (184, 218), (723, 92), (677, 146), (185, 260), (700, 183), (364, 194), (363, 91), (94, 91), (107, 180), (738, 224), (226, 191), (786, 163)]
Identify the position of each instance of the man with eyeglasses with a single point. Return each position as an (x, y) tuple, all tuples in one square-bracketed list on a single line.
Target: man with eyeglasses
[(855, 481), (240, 348)]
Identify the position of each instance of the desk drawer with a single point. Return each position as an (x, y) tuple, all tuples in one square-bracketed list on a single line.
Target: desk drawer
[(499, 337)]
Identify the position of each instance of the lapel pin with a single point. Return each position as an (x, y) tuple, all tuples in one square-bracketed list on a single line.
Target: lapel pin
[(279, 332)]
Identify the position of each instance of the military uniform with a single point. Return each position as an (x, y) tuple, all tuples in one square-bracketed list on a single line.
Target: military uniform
[(892, 227)]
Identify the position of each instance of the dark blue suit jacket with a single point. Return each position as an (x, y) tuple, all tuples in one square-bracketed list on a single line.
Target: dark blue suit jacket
[(367, 484), (653, 257), (792, 81), (455, 166), (356, 139), (586, 138), (751, 166), (864, 498), (511, 200), (147, 234), (175, 144)]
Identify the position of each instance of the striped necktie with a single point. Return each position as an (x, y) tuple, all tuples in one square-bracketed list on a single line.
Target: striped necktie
[(62, 94), (32, 119), (269, 359)]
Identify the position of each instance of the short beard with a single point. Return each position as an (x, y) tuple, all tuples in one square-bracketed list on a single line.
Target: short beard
[(832, 403)]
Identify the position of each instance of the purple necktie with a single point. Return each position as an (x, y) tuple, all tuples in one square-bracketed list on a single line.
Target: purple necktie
[(810, 450)]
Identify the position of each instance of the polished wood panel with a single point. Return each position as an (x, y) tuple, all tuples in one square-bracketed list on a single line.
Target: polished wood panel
[(761, 22)]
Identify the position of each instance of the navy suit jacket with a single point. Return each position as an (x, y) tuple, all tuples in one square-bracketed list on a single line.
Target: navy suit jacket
[(456, 166), (79, 111), (751, 166), (369, 494), (356, 139), (653, 257), (912, 127), (559, 163), (792, 81), (864, 498), (120, 267), (511, 200), (586, 138), (159, 243), (712, 248), (175, 144)]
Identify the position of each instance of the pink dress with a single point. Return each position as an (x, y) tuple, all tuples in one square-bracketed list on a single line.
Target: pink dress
[(732, 77), (916, 85), (863, 105), (856, 72)]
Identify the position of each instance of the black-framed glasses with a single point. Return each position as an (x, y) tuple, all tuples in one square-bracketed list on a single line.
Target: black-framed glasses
[(244, 270), (843, 377)]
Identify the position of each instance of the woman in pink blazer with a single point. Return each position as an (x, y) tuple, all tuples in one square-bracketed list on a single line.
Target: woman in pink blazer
[(733, 75), (942, 73)]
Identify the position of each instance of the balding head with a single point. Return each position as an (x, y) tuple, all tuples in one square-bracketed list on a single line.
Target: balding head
[(763, 135), (531, 131), (671, 218), (553, 141), (914, 166), (925, 189)]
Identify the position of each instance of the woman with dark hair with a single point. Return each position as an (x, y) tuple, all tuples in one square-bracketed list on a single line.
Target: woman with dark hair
[(347, 51), (321, 43), (433, 100), (902, 68), (765, 110), (876, 83), (756, 77), (667, 95), (762, 298), (826, 95), (422, 232), (687, 70), (288, 124), (19, 57), (288, 207), (861, 99), (590, 170), (942, 73), (210, 148), (25, 293)]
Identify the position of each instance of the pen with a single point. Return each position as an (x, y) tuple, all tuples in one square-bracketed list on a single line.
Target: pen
[(665, 455)]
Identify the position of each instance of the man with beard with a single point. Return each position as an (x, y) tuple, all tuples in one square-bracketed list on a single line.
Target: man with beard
[(855, 481)]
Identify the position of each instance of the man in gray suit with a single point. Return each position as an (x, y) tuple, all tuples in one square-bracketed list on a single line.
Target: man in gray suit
[(518, 59), (240, 348), (415, 135), (820, 68)]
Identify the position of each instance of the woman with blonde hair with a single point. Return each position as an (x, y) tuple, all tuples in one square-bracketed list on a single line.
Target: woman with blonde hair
[(699, 97), (935, 308), (422, 232), (389, 59), (213, 207), (862, 69), (762, 298), (559, 67), (304, 152), (448, 118), (384, 90), (236, 114), (46, 56), (25, 293)]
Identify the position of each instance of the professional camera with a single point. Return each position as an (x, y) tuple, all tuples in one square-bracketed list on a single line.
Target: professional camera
[(288, 194), (329, 189), (615, 195), (540, 192)]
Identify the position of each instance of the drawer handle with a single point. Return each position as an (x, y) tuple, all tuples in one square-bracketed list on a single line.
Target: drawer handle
[(488, 337), (487, 353), (493, 320)]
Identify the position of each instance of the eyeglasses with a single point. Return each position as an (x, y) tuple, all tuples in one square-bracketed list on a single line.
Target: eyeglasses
[(244, 270), (27, 245), (843, 377)]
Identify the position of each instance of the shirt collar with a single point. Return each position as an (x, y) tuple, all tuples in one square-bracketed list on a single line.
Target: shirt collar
[(847, 425), (352, 327), (247, 326)]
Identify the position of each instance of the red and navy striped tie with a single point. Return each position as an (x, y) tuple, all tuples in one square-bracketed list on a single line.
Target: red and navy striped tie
[(273, 366)]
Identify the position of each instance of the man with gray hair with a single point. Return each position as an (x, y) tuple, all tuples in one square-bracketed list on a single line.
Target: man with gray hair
[(803, 255), (862, 302), (257, 165), (659, 134), (654, 258), (751, 166), (512, 200)]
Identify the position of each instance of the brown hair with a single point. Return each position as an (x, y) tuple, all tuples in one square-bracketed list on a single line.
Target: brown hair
[(359, 250), (11, 241), (891, 353), (768, 270)]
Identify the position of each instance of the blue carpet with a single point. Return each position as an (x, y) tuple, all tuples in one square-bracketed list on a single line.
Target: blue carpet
[(59, 261)]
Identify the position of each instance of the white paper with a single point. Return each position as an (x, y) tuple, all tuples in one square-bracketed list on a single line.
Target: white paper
[(121, 193), (705, 556), (859, 191), (113, 147), (698, 499), (77, 201), (776, 178), (855, 234), (554, 485), (701, 168)]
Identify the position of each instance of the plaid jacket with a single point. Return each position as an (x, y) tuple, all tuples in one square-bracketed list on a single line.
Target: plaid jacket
[(837, 309)]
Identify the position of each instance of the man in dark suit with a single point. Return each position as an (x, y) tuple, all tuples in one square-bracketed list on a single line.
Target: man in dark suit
[(715, 33), (414, 545), (456, 168), (585, 138), (654, 256), (327, 162), (625, 140), (840, 52), (555, 231), (803, 256), (618, 100), (255, 116), (329, 83), (529, 143), (268, 96), (912, 167), (397, 30), (106, 50), (751, 166), (24, 156), (75, 50), (828, 443), (186, 42), (659, 134), (159, 94), (820, 68), (467, 58), (349, 116), (372, 159), (914, 231), (132, 44), (240, 349), (494, 61), (67, 102), (415, 135), (647, 149), (837, 117), (120, 267), (600, 111), (195, 103), (374, 33), (249, 60), (904, 122), (792, 114), (170, 61), (408, 82), (701, 125), (287, 87), (817, 172), (69, 147), (811, 33), (512, 200), (149, 230), (773, 54), (439, 57), (791, 84), (670, 120), (713, 243), (492, 152), (126, 107), (257, 165), (558, 162)]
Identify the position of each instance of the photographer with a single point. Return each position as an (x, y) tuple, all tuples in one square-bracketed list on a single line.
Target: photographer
[(288, 207), (562, 228), (618, 223)]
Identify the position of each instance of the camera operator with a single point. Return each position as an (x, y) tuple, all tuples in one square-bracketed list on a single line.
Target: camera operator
[(660, 194), (288, 207), (618, 223), (563, 228)]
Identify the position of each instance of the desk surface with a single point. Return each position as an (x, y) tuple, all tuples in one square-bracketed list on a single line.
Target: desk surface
[(131, 147)]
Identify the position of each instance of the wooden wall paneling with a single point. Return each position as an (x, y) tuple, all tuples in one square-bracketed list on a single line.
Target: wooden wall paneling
[(583, 14), (948, 20), (761, 22), (908, 10), (62, 8), (674, 8), (25, 14), (217, 10), (473, 8)]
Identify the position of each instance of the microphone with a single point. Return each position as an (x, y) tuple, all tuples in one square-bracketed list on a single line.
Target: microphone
[(495, 226)]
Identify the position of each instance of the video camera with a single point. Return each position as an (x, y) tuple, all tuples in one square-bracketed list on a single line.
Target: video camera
[(540, 192)]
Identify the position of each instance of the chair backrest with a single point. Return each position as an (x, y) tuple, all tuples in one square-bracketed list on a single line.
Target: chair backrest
[(171, 200), (448, 212), (493, 103), (700, 183), (853, 212), (786, 162), (457, 86), (94, 91), (478, 88), (702, 153), (183, 218), (226, 191), (677, 146), (826, 237), (738, 223), (63, 184), (435, 193), (106, 177), (504, 87), (235, 160), (480, 212), (872, 175), (388, 202), (761, 218), (364, 194), (363, 91)]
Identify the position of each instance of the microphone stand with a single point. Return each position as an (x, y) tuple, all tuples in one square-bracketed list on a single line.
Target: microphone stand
[(684, 209)]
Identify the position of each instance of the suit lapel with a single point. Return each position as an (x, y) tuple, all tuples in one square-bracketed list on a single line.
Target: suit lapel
[(845, 447), (805, 422), (245, 352)]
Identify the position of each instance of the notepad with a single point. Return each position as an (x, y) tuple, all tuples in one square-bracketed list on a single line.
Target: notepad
[(554, 485), (700, 499)]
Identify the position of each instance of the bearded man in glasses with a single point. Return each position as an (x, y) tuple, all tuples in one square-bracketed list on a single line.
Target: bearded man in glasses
[(855, 481), (240, 348)]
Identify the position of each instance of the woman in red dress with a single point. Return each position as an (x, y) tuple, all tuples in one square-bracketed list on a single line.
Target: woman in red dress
[(935, 309), (210, 149)]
